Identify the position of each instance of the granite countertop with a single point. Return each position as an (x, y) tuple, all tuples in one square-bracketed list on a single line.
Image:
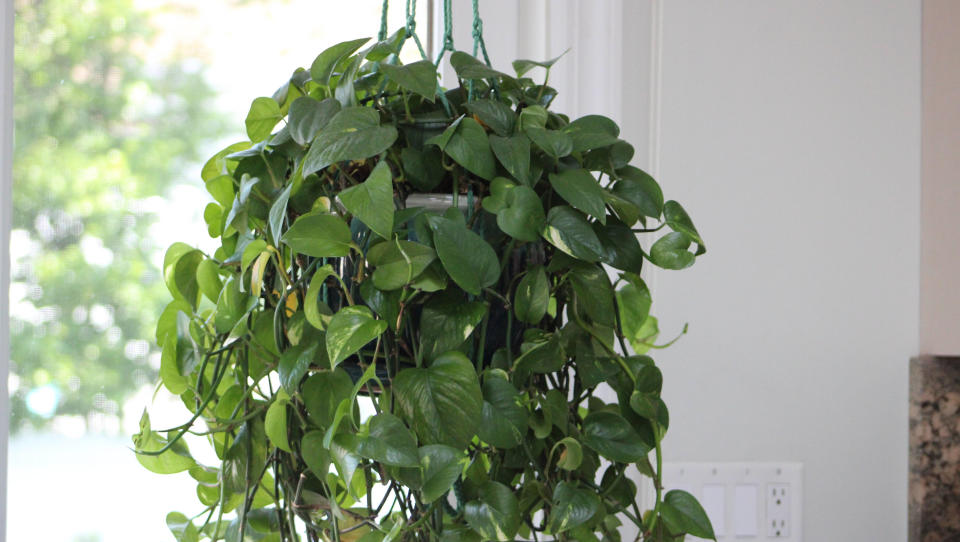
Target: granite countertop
[(934, 494)]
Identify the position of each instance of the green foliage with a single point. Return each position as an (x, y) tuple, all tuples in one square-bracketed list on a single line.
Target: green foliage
[(99, 131), (475, 338)]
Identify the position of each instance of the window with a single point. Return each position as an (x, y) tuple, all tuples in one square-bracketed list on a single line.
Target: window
[(117, 103)]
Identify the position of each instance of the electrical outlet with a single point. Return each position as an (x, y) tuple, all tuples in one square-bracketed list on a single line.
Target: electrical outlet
[(746, 502), (778, 511)]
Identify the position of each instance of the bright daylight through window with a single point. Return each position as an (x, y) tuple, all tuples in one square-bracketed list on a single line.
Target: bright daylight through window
[(116, 104)]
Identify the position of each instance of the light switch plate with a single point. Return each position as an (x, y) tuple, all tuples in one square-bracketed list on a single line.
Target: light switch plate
[(746, 502)]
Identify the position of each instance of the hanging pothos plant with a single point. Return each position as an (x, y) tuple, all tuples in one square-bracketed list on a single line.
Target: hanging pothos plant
[(367, 368)]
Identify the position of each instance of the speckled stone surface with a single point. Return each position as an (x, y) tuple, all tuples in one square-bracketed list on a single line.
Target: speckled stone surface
[(934, 508)]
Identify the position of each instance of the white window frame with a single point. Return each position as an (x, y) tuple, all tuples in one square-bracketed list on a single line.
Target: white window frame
[(6, 210)]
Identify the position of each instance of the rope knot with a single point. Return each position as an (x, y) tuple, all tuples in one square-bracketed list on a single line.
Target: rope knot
[(477, 28), (411, 24)]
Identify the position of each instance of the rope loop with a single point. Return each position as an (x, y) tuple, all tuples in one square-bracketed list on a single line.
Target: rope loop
[(411, 17)]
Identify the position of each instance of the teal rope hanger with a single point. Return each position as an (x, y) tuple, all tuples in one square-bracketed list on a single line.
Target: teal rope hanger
[(411, 26), (447, 30), (478, 46), (382, 35), (446, 46), (478, 42)]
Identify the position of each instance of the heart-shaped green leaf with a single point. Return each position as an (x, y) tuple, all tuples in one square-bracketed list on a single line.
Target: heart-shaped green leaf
[(232, 306), (611, 436), (419, 77), (683, 514), (468, 67), (347, 463), (388, 46), (350, 329), (308, 116), (322, 393), (569, 231), (314, 454), (671, 251), (294, 363), (433, 278), (180, 264), (317, 312), (571, 454), (319, 235), (208, 279), (621, 249), (441, 466), (581, 190), (532, 297), (275, 422), (323, 65), (553, 142), (633, 302), (398, 262), (345, 91), (625, 210), (495, 515), (497, 200), (388, 442), (609, 159), (354, 133), (443, 402), (495, 114), (467, 143), (372, 200), (278, 212), (514, 153), (592, 132), (679, 221), (534, 116), (651, 407), (522, 66), (504, 420), (182, 528), (470, 261), (542, 356), (264, 114), (572, 507), (446, 322), (385, 304), (523, 217), (424, 168), (636, 186), (176, 459), (594, 292)]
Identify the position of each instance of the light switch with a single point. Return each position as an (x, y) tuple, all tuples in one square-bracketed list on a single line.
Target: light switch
[(745, 510), (715, 505)]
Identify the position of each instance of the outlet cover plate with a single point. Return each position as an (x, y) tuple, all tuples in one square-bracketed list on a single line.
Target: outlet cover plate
[(737, 479)]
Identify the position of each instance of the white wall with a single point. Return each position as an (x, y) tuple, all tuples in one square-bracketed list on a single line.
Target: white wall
[(791, 133)]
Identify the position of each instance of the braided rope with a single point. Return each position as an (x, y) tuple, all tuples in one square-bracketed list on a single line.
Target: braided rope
[(382, 35), (411, 26)]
